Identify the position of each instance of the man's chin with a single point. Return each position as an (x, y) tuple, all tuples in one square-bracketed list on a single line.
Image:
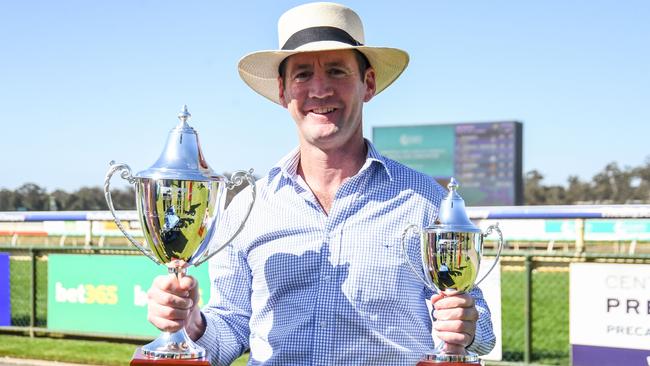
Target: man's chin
[(323, 142), (322, 132)]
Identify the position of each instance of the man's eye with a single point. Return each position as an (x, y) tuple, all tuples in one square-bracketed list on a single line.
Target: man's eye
[(337, 72), (302, 76)]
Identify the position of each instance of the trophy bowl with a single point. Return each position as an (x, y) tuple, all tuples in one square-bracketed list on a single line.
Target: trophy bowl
[(451, 252), (180, 203), (452, 259)]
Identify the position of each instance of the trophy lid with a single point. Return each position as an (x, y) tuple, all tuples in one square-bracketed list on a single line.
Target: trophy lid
[(452, 216), (182, 157)]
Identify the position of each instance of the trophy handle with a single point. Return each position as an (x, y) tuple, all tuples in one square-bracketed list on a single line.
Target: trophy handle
[(236, 179), (126, 174), (494, 227), (415, 229)]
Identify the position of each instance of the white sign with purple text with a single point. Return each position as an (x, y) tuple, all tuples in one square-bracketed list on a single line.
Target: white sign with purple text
[(610, 314)]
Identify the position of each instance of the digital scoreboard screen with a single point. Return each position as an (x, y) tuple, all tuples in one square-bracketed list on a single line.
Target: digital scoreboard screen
[(486, 158)]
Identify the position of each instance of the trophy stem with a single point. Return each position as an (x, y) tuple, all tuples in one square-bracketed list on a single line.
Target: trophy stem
[(178, 268)]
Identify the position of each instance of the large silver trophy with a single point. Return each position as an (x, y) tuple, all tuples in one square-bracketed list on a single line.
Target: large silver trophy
[(180, 202), (451, 252)]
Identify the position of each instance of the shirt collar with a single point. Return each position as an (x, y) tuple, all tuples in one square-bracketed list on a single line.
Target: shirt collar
[(288, 165), (374, 156)]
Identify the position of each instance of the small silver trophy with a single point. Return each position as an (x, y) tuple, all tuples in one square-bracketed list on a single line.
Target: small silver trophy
[(451, 252), (180, 201)]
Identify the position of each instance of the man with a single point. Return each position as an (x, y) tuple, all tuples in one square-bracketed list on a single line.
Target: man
[(318, 275)]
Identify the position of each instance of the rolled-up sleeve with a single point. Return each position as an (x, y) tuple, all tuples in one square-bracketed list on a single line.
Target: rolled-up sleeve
[(484, 338), (227, 315)]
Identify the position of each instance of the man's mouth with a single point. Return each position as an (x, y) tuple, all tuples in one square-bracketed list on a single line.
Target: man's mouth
[(322, 110)]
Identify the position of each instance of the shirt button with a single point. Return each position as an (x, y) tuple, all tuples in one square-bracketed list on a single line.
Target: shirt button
[(323, 324), (327, 278)]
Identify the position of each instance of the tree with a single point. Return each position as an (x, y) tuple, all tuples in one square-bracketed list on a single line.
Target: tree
[(533, 190), (87, 198), (32, 197), (641, 182), (578, 191), (123, 199), (7, 200), (613, 185), (61, 199)]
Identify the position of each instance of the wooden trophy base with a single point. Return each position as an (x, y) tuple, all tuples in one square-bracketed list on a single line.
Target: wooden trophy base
[(139, 359)]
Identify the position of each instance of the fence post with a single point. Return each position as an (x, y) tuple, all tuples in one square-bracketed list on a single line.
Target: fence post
[(632, 247), (528, 308), (580, 237), (88, 239), (32, 293)]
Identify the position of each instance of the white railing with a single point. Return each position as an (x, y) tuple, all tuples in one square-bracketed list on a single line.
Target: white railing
[(548, 225)]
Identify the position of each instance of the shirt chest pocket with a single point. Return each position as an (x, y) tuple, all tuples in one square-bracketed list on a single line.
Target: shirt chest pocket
[(380, 280)]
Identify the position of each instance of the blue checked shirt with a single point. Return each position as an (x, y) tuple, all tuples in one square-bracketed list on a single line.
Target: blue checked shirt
[(301, 287)]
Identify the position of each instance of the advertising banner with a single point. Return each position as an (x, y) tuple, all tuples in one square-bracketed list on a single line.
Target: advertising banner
[(106, 293), (610, 314), (5, 302)]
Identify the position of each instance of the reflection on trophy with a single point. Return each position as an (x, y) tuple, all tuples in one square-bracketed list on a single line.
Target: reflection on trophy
[(451, 252), (180, 202)]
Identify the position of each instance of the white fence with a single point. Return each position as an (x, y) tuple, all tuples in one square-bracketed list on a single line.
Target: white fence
[(550, 227)]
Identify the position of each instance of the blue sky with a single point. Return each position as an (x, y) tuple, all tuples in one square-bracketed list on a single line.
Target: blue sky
[(86, 82)]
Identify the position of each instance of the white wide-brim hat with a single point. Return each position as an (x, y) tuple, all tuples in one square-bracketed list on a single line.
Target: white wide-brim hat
[(318, 27)]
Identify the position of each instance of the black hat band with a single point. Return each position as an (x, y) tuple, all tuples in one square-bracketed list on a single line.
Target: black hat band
[(318, 34)]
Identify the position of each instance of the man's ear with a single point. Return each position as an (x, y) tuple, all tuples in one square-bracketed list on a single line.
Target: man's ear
[(281, 92), (370, 83)]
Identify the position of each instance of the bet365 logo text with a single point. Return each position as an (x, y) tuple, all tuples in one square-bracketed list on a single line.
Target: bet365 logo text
[(86, 294)]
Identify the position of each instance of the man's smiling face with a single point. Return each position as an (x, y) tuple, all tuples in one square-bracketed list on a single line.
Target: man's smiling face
[(324, 94)]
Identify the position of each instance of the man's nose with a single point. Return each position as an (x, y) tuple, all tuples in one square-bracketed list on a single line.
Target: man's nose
[(320, 87)]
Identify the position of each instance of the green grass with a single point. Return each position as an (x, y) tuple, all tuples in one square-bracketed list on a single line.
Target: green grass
[(550, 321), (550, 328), (512, 315), (75, 351), (20, 283)]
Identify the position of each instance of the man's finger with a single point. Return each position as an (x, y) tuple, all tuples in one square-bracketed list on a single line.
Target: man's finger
[(470, 314), (454, 301), (457, 326), (459, 339), (170, 284), (169, 312), (165, 325), (169, 299), (187, 283)]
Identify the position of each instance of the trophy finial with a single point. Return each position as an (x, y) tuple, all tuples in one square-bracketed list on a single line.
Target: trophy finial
[(452, 215), (184, 115), (181, 157), (453, 184)]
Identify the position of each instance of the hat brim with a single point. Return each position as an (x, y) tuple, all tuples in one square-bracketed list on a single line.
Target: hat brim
[(259, 70)]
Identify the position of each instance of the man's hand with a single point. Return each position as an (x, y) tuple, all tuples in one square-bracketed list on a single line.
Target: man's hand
[(456, 317), (173, 304)]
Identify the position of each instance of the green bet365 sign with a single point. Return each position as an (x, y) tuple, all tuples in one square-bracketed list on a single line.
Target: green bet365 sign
[(105, 293)]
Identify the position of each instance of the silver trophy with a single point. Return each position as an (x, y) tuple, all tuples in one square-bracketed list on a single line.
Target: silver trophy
[(451, 252), (180, 202)]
